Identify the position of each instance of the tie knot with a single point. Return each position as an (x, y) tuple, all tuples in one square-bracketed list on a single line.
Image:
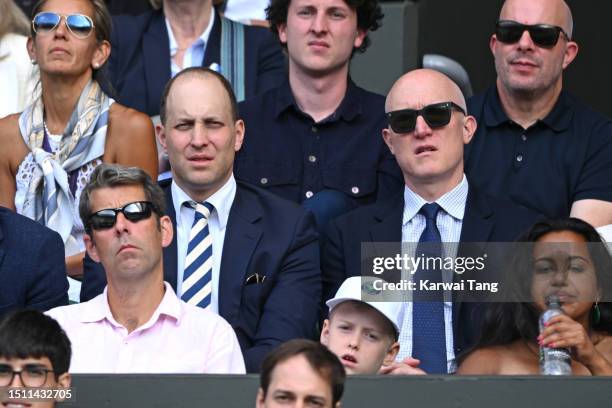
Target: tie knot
[(430, 211), (204, 209)]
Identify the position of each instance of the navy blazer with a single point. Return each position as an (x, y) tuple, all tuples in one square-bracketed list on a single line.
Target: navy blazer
[(32, 265), (139, 64), (266, 235), (486, 219)]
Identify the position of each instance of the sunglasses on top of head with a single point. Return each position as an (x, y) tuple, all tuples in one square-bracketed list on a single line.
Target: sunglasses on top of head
[(543, 35), (435, 115), (81, 26), (134, 212)]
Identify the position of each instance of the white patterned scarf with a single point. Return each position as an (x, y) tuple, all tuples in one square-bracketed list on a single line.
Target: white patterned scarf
[(48, 198)]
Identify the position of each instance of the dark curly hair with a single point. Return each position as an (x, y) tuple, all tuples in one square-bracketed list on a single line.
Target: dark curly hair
[(369, 17)]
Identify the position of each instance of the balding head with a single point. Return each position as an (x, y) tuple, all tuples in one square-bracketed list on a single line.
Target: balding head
[(423, 87), (430, 154), (554, 12)]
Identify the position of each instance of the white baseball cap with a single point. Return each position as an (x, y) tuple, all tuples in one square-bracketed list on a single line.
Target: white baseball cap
[(352, 288)]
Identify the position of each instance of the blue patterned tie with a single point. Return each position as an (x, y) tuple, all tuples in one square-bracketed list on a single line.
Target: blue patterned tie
[(197, 277), (428, 339)]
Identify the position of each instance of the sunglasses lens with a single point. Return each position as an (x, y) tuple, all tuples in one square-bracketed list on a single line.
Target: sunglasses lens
[(437, 115), (509, 32), (544, 36), (103, 219), (45, 22), (79, 24), (403, 121), (137, 211)]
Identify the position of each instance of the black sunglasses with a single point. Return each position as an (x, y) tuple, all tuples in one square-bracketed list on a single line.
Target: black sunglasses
[(436, 115), (543, 35), (134, 212), (79, 25)]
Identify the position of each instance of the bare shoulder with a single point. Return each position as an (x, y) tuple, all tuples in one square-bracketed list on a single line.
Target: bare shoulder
[(12, 153), (130, 139), (124, 120), (483, 361)]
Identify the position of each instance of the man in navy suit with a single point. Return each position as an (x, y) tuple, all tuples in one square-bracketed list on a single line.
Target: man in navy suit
[(428, 128), (32, 265), (150, 48), (264, 269)]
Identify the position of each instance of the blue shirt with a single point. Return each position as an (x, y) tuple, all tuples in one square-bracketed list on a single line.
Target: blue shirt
[(288, 153), (562, 158)]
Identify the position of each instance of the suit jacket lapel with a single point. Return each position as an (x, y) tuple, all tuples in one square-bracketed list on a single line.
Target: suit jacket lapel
[(241, 236), (155, 48), (170, 257), (389, 217), (213, 47)]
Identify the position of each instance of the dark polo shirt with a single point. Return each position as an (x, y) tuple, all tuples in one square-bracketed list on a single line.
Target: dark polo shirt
[(288, 153), (562, 158)]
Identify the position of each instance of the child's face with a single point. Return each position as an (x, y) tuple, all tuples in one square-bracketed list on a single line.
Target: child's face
[(35, 372), (359, 335)]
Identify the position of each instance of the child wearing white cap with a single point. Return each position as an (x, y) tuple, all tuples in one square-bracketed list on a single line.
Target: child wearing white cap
[(362, 334)]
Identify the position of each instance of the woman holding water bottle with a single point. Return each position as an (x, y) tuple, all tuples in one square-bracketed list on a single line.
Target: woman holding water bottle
[(558, 264)]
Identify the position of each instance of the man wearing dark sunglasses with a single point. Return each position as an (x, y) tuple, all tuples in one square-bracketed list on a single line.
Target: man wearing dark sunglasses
[(427, 130), (138, 324), (239, 251), (34, 353), (536, 144)]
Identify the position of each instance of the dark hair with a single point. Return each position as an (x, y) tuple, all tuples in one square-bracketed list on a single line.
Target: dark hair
[(163, 115), (102, 22), (31, 334), (369, 16), (323, 361), (114, 175), (506, 322)]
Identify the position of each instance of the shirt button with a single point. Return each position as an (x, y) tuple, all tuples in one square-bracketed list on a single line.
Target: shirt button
[(314, 129), (519, 158), (263, 180), (355, 190), (309, 194), (524, 137), (312, 158)]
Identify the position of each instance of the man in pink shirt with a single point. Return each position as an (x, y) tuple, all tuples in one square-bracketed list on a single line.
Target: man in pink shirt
[(138, 325)]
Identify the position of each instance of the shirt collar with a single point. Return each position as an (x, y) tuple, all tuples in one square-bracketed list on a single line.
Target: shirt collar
[(349, 108), (453, 202), (201, 40), (558, 119), (221, 200), (98, 309)]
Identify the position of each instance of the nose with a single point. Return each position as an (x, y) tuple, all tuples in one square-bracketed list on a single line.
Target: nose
[(16, 382), (199, 136), (355, 340), (421, 128), (526, 42), (319, 23), (61, 30), (122, 224)]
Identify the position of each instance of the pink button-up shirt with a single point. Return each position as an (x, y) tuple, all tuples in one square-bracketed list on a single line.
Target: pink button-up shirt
[(178, 338)]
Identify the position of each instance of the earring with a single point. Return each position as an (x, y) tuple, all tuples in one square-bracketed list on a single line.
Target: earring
[(96, 65), (33, 61), (596, 313)]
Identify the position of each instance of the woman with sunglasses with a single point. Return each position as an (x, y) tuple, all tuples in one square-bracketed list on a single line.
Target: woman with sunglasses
[(17, 75), (565, 259), (50, 149)]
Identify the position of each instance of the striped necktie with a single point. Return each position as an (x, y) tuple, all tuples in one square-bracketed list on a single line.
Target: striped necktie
[(197, 277)]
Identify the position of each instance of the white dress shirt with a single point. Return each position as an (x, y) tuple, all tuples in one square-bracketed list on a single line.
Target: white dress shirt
[(449, 222), (222, 201)]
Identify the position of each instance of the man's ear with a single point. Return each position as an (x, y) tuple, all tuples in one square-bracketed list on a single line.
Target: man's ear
[(167, 231), (391, 353), (571, 51), (325, 333), (261, 398), (160, 132), (90, 246), (387, 137), (469, 129), (282, 33), (239, 128), (63, 381)]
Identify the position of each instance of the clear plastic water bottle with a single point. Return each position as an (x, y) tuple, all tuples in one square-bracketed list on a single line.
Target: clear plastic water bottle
[(553, 361)]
